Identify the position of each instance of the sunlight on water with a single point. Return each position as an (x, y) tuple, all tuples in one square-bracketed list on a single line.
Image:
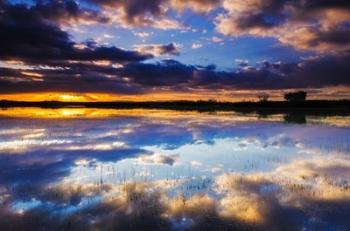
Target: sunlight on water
[(96, 169), (72, 113)]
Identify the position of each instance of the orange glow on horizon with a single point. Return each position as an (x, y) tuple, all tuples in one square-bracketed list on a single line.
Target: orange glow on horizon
[(95, 113), (219, 95), (103, 97)]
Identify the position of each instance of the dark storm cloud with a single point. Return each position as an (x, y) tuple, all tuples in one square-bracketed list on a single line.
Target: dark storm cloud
[(32, 35), (166, 73), (316, 25), (133, 7), (309, 73), (340, 36), (28, 36), (322, 4), (77, 78), (66, 10), (323, 71), (154, 13), (134, 12), (136, 8), (138, 77), (8, 72), (273, 12)]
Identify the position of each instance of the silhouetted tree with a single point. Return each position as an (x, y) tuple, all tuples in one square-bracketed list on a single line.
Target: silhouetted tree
[(263, 97), (295, 96)]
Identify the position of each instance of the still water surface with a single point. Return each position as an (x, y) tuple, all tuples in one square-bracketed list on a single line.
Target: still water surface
[(87, 169)]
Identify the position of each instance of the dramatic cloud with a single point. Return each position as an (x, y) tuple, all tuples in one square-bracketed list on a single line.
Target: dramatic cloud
[(166, 73), (308, 73), (21, 26), (317, 25), (67, 11), (196, 5), (38, 55), (134, 11), (159, 49), (138, 13), (138, 77), (153, 13)]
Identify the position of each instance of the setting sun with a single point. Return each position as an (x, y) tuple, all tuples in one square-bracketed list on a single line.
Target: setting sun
[(66, 97)]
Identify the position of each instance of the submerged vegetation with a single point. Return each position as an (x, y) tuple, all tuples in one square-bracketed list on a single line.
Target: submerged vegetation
[(172, 171), (309, 197)]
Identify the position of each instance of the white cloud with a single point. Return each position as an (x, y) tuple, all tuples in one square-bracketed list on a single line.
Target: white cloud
[(196, 45)]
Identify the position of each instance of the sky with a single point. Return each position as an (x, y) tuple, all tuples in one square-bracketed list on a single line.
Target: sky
[(101, 50)]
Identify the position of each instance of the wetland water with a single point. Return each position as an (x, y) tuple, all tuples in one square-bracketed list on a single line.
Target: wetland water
[(96, 169)]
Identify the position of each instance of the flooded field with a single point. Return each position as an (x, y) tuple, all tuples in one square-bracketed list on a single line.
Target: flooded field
[(95, 169)]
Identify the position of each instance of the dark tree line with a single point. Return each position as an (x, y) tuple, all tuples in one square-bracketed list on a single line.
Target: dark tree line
[(295, 96), (290, 96)]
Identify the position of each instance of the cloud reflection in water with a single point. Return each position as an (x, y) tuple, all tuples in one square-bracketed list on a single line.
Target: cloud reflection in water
[(166, 171)]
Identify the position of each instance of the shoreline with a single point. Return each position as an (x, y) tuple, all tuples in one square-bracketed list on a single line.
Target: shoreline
[(309, 107)]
